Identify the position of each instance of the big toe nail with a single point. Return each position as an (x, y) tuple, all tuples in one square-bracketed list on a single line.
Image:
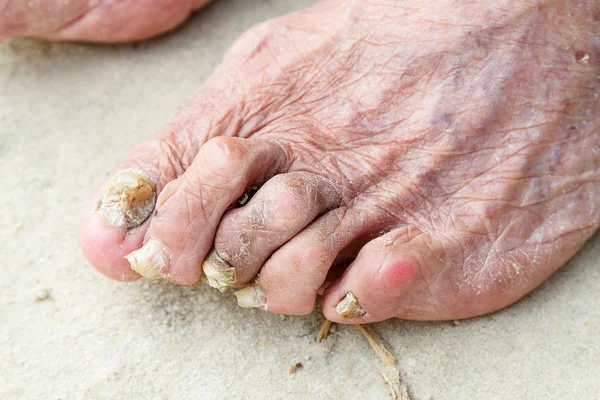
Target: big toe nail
[(127, 199)]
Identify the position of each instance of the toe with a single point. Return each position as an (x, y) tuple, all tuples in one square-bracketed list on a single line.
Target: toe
[(118, 214), (103, 21), (292, 277), (286, 204), (123, 21), (188, 210), (388, 279)]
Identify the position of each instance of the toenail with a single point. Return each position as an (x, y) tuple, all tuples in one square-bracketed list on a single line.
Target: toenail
[(150, 260), (127, 199), (349, 307), (218, 271), (251, 297)]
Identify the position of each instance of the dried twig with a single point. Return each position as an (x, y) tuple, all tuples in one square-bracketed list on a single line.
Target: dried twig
[(324, 330), (389, 373), (377, 345), (392, 376), (295, 367)]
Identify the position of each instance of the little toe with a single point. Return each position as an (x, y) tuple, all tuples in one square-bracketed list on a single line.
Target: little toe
[(388, 279), (284, 205), (188, 210)]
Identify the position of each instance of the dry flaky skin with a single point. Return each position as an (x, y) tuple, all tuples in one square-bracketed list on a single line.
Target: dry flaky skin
[(324, 331), (349, 307), (219, 273), (149, 260), (251, 297), (127, 199)]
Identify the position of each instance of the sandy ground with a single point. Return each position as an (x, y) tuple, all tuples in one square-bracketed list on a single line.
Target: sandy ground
[(68, 113)]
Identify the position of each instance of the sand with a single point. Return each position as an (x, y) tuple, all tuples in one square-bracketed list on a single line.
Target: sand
[(68, 113)]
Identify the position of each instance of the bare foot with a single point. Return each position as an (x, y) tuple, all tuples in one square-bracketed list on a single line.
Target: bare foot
[(93, 20), (445, 156)]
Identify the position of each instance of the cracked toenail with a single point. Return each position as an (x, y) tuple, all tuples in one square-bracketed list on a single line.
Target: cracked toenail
[(218, 271), (349, 307), (127, 199), (149, 261), (251, 297)]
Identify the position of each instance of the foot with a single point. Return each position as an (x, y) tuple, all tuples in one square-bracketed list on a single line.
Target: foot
[(93, 20), (413, 161)]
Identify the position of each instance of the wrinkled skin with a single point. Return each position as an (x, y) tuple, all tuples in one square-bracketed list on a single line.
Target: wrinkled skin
[(444, 156)]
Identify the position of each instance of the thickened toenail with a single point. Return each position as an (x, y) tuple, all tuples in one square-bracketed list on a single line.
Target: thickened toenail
[(251, 297), (349, 307), (127, 199), (219, 273), (150, 261)]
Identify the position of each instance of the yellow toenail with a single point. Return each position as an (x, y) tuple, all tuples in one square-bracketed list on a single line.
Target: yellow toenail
[(127, 199), (251, 297), (349, 307), (149, 261), (219, 273)]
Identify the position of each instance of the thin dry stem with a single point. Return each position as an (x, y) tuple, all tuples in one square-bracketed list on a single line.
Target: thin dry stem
[(389, 372), (324, 331), (377, 345)]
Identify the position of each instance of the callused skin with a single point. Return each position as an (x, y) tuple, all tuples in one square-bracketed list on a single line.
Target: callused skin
[(450, 148)]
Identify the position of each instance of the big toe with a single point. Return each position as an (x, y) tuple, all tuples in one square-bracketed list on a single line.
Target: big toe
[(118, 214), (120, 211)]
